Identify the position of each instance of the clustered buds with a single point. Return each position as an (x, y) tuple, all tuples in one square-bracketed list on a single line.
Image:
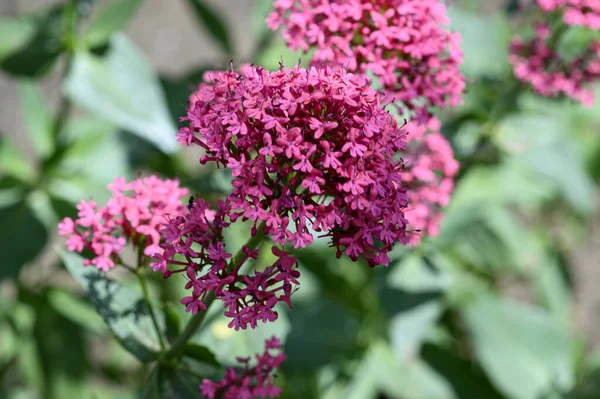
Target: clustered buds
[(430, 169), (196, 238), (308, 149), (135, 213), (248, 382), (401, 42), (538, 63)]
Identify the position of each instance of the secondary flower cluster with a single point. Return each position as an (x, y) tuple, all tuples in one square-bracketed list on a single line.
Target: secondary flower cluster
[(194, 243), (135, 212), (575, 12), (307, 148), (429, 175), (536, 62), (402, 42), (248, 382)]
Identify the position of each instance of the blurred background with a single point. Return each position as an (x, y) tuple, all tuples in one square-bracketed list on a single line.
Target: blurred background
[(504, 303)]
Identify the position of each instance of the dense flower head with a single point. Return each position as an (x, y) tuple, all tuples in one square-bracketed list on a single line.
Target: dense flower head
[(402, 42), (429, 175), (245, 382), (194, 245), (536, 62), (306, 148), (135, 212), (575, 12)]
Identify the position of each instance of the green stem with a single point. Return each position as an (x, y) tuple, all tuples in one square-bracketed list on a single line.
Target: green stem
[(140, 274), (197, 320)]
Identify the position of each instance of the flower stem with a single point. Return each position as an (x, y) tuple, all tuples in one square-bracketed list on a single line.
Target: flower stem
[(140, 274), (197, 320), (190, 328)]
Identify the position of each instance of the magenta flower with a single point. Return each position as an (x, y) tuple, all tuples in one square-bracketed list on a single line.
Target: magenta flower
[(307, 148), (135, 213), (429, 175), (535, 62), (247, 382), (584, 13), (402, 42), (194, 245)]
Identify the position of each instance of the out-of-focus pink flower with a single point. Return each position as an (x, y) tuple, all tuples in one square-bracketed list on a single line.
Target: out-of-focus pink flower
[(537, 63), (197, 240), (135, 212), (402, 42), (575, 12), (247, 382), (305, 147), (429, 175)]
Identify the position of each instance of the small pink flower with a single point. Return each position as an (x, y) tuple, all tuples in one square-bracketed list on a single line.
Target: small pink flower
[(402, 42), (248, 382), (135, 212), (317, 145)]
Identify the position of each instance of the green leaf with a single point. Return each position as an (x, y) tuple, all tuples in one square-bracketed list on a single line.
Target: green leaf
[(172, 323), (76, 310), (176, 385), (38, 118), (21, 240), (381, 372), (42, 49), (93, 158), (522, 132), (467, 380), (63, 354), (123, 88), (213, 23), (553, 291), (321, 332), (13, 162), (408, 329), (124, 311), (200, 353), (15, 33), (112, 18), (560, 164), (228, 344), (524, 351), (413, 274), (488, 60)]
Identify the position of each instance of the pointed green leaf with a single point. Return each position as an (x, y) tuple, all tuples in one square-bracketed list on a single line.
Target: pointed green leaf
[(13, 162), (123, 88), (124, 311), (110, 19), (22, 238), (200, 353), (15, 33), (38, 118), (524, 351), (408, 329)]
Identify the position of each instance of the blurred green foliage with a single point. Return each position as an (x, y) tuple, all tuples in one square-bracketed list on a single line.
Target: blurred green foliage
[(439, 323)]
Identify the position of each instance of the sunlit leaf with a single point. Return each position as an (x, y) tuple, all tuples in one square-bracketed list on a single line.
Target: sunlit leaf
[(37, 117), (124, 311), (123, 88), (524, 351)]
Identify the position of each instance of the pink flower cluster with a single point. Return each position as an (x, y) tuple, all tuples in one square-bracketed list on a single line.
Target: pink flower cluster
[(402, 42), (537, 63), (307, 148), (429, 175), (136, 216), (248, 299), (247, 382), (575, 12)]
